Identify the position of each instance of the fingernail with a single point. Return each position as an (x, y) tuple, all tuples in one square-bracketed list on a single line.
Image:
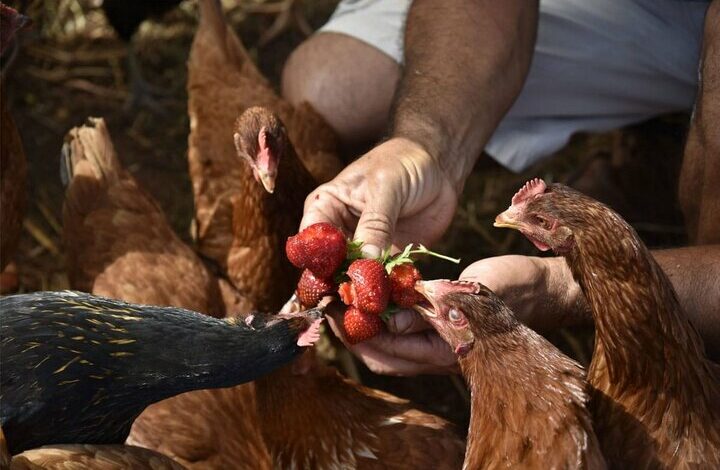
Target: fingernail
[(371, 251)]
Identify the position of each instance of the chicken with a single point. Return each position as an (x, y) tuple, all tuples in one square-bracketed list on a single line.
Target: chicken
[(656, 403), (223, 83), (90, 365), (125, 17), (528, 399), (112, 227), (251, 219)]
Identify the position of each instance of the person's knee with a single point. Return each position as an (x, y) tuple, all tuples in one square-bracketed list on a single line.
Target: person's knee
[(350, 83)]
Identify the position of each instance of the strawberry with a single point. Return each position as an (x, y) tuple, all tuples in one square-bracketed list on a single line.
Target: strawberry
[(321, 248), (402, 285), (311, 289), (346, 293), (369, 286), (360, 325)]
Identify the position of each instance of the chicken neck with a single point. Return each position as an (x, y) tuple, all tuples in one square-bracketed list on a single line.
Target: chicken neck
[(528, 401), (644, 343)]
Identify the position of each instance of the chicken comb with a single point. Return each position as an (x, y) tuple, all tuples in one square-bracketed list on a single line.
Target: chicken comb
[(531, 188)]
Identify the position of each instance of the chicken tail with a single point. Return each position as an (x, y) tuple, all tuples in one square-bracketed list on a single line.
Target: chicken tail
[(89, 151)]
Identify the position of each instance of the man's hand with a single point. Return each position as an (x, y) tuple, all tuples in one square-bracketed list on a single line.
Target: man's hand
[(394, 195), (540, 291)]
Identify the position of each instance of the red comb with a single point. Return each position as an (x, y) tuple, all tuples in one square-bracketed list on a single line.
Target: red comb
[(531, 188)]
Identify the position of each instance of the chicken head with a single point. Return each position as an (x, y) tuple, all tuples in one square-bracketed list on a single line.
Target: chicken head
[(463, 311), (545, 215), (261, 139)]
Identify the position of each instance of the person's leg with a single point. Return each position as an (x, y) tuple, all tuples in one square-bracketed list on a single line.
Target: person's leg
[(350, 69), (349, 82), (700, 175)]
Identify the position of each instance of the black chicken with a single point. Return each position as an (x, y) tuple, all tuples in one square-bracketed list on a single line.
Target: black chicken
[(125, 16), (76, 368)]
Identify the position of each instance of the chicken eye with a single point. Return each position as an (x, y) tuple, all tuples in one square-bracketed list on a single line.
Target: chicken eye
[(455, 315)]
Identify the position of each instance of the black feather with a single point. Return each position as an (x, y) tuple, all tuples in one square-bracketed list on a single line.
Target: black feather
[(76, 368)]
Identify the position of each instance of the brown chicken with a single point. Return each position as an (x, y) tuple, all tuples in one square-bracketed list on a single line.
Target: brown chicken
[(119, 244), (222, 83), (657, 395), (113, 229), (308, 415), (528, 399), (13, 168)]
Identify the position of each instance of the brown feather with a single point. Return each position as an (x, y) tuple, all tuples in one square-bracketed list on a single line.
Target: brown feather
[(80, 457)]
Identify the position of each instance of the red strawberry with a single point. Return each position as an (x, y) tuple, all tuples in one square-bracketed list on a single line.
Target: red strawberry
[(321, 248), (402, 285), (311, 289), (359, 325), (369, 285)]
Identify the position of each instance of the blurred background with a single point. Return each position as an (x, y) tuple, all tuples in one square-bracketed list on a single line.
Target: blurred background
[(72, 64)]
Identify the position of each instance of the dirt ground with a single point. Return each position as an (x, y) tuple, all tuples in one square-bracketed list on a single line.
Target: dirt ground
[(71, 66)]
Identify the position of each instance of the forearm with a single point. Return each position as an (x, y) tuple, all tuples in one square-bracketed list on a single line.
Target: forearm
[(699, 190), (465, 63), (695, 275)]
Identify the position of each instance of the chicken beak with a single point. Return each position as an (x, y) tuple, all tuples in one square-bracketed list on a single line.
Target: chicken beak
[(425, 288), (507, 220), (268, 180)]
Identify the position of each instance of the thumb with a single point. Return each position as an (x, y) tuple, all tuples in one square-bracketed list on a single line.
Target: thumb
[(376, 225)]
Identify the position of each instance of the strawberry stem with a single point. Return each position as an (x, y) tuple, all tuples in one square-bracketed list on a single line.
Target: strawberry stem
[(422, 250)]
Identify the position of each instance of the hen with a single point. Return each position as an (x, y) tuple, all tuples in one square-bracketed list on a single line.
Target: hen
[(89, 365), (112, 227), (528, 399), (657, 395), (223, 83), (309, 416)]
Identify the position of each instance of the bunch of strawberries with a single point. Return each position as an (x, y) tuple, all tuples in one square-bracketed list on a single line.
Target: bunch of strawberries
[(371, 288)]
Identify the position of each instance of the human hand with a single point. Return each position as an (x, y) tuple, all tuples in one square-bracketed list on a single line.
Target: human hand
[(541, 291), (393, 195)]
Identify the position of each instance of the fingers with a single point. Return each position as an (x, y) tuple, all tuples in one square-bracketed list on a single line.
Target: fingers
[(377, 220)]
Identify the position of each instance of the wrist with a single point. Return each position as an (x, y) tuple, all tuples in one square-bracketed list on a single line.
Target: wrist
[(437, 145)]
